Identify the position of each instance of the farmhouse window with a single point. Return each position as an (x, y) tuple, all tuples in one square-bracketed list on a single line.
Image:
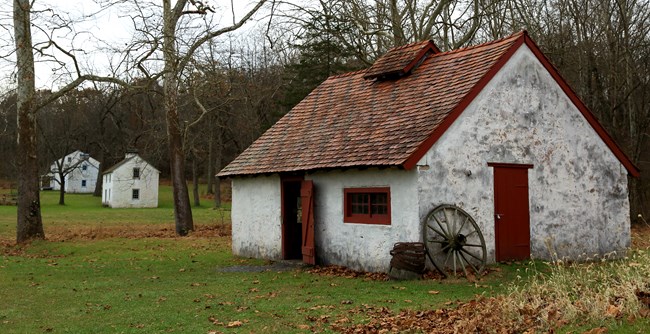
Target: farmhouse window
[(83, 183), (367, 205), (136, 172), (136, 194), (84, 167)]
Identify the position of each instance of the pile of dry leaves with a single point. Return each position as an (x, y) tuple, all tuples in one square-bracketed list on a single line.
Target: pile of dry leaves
[(482, 315)]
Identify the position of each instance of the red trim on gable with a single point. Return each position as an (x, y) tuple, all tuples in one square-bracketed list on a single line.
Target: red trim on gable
[(600, 130), (418, 58), (453, 115), (523, 39)]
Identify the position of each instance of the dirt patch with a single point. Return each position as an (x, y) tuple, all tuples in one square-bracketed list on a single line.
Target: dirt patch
[(640, 236), (339, 271), (137, 232), (58, 233), (275, 266)]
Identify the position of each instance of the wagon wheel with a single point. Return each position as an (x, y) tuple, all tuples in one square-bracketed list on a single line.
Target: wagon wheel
[(454, 241)]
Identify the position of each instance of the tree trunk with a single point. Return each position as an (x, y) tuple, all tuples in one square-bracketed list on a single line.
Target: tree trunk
[(210, 172), (218, 151), (100, 178), (62, 189), (29, 224), (182, 208), (195, 182)]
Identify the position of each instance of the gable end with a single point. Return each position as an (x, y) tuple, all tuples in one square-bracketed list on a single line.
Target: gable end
[(412, 160)]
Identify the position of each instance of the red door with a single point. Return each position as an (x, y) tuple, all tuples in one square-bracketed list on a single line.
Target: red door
[(511, 215), (307, 198)]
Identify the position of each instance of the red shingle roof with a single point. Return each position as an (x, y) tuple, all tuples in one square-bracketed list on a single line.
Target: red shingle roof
[(349, 121)]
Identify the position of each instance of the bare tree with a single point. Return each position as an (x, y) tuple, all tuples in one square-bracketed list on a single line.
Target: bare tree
[(174, 64), (29, 223)]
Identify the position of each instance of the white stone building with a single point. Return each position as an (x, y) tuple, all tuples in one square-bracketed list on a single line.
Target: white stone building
[(131, 183), (80, 173), (491, 129)]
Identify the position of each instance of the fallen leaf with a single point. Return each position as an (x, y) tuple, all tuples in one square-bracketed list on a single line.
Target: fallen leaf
[(434, 292), (234, 324)]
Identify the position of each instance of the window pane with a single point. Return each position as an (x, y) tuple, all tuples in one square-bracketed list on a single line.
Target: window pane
[(379, 203), (360, 203)]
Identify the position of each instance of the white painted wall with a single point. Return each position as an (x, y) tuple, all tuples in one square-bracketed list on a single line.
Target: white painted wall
[(577, 188), (74, 179), (257, 217), (118, 185), (363, 246)]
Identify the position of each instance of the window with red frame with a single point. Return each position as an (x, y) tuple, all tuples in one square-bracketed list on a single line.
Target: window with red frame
[(367, 205)]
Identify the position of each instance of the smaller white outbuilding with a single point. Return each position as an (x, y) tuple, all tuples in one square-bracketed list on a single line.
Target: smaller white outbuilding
[(131, 183), (80, 172)]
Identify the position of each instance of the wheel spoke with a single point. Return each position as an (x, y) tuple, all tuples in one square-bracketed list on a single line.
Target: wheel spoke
[(472, 255), (448, 224), (438, 241), (461, 258), (447, 235), (447, 258), (453, 225), (471, 265), (463, 224), (454, 256), (473, 245), (439, 232)]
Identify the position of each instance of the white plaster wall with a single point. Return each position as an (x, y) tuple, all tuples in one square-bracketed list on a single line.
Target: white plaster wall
[(74, 179), (363, 246), (107, 188), (256, 217), (577, 188), (122, 183)]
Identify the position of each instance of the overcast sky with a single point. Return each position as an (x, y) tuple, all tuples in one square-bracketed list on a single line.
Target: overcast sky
[(94, 30)]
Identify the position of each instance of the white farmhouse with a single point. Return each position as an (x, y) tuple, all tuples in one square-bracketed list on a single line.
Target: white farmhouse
[(80, 172), (131, 183), (435, 147)]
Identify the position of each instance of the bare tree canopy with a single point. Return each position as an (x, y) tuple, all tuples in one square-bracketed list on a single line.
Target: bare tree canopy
[(188, 74)]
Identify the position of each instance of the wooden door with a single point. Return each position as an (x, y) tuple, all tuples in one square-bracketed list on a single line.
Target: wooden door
[(307, 198), (511, 212)]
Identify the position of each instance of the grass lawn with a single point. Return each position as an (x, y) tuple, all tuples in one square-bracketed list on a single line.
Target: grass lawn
[(106, 280), (84, 213)]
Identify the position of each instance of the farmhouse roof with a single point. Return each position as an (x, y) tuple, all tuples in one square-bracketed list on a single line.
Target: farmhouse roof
[(392, 113), (124, 161)]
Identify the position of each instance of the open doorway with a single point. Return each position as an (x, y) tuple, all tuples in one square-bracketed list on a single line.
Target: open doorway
[(291, 218)]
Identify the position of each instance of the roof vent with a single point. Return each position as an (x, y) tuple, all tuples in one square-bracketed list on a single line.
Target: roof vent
[(400, 61)]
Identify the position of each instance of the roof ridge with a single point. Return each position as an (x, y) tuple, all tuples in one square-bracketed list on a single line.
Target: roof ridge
[(347, 74), (471, 47), (399, 47)]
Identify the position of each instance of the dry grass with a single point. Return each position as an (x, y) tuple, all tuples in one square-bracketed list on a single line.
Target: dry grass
[(583, 293)]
